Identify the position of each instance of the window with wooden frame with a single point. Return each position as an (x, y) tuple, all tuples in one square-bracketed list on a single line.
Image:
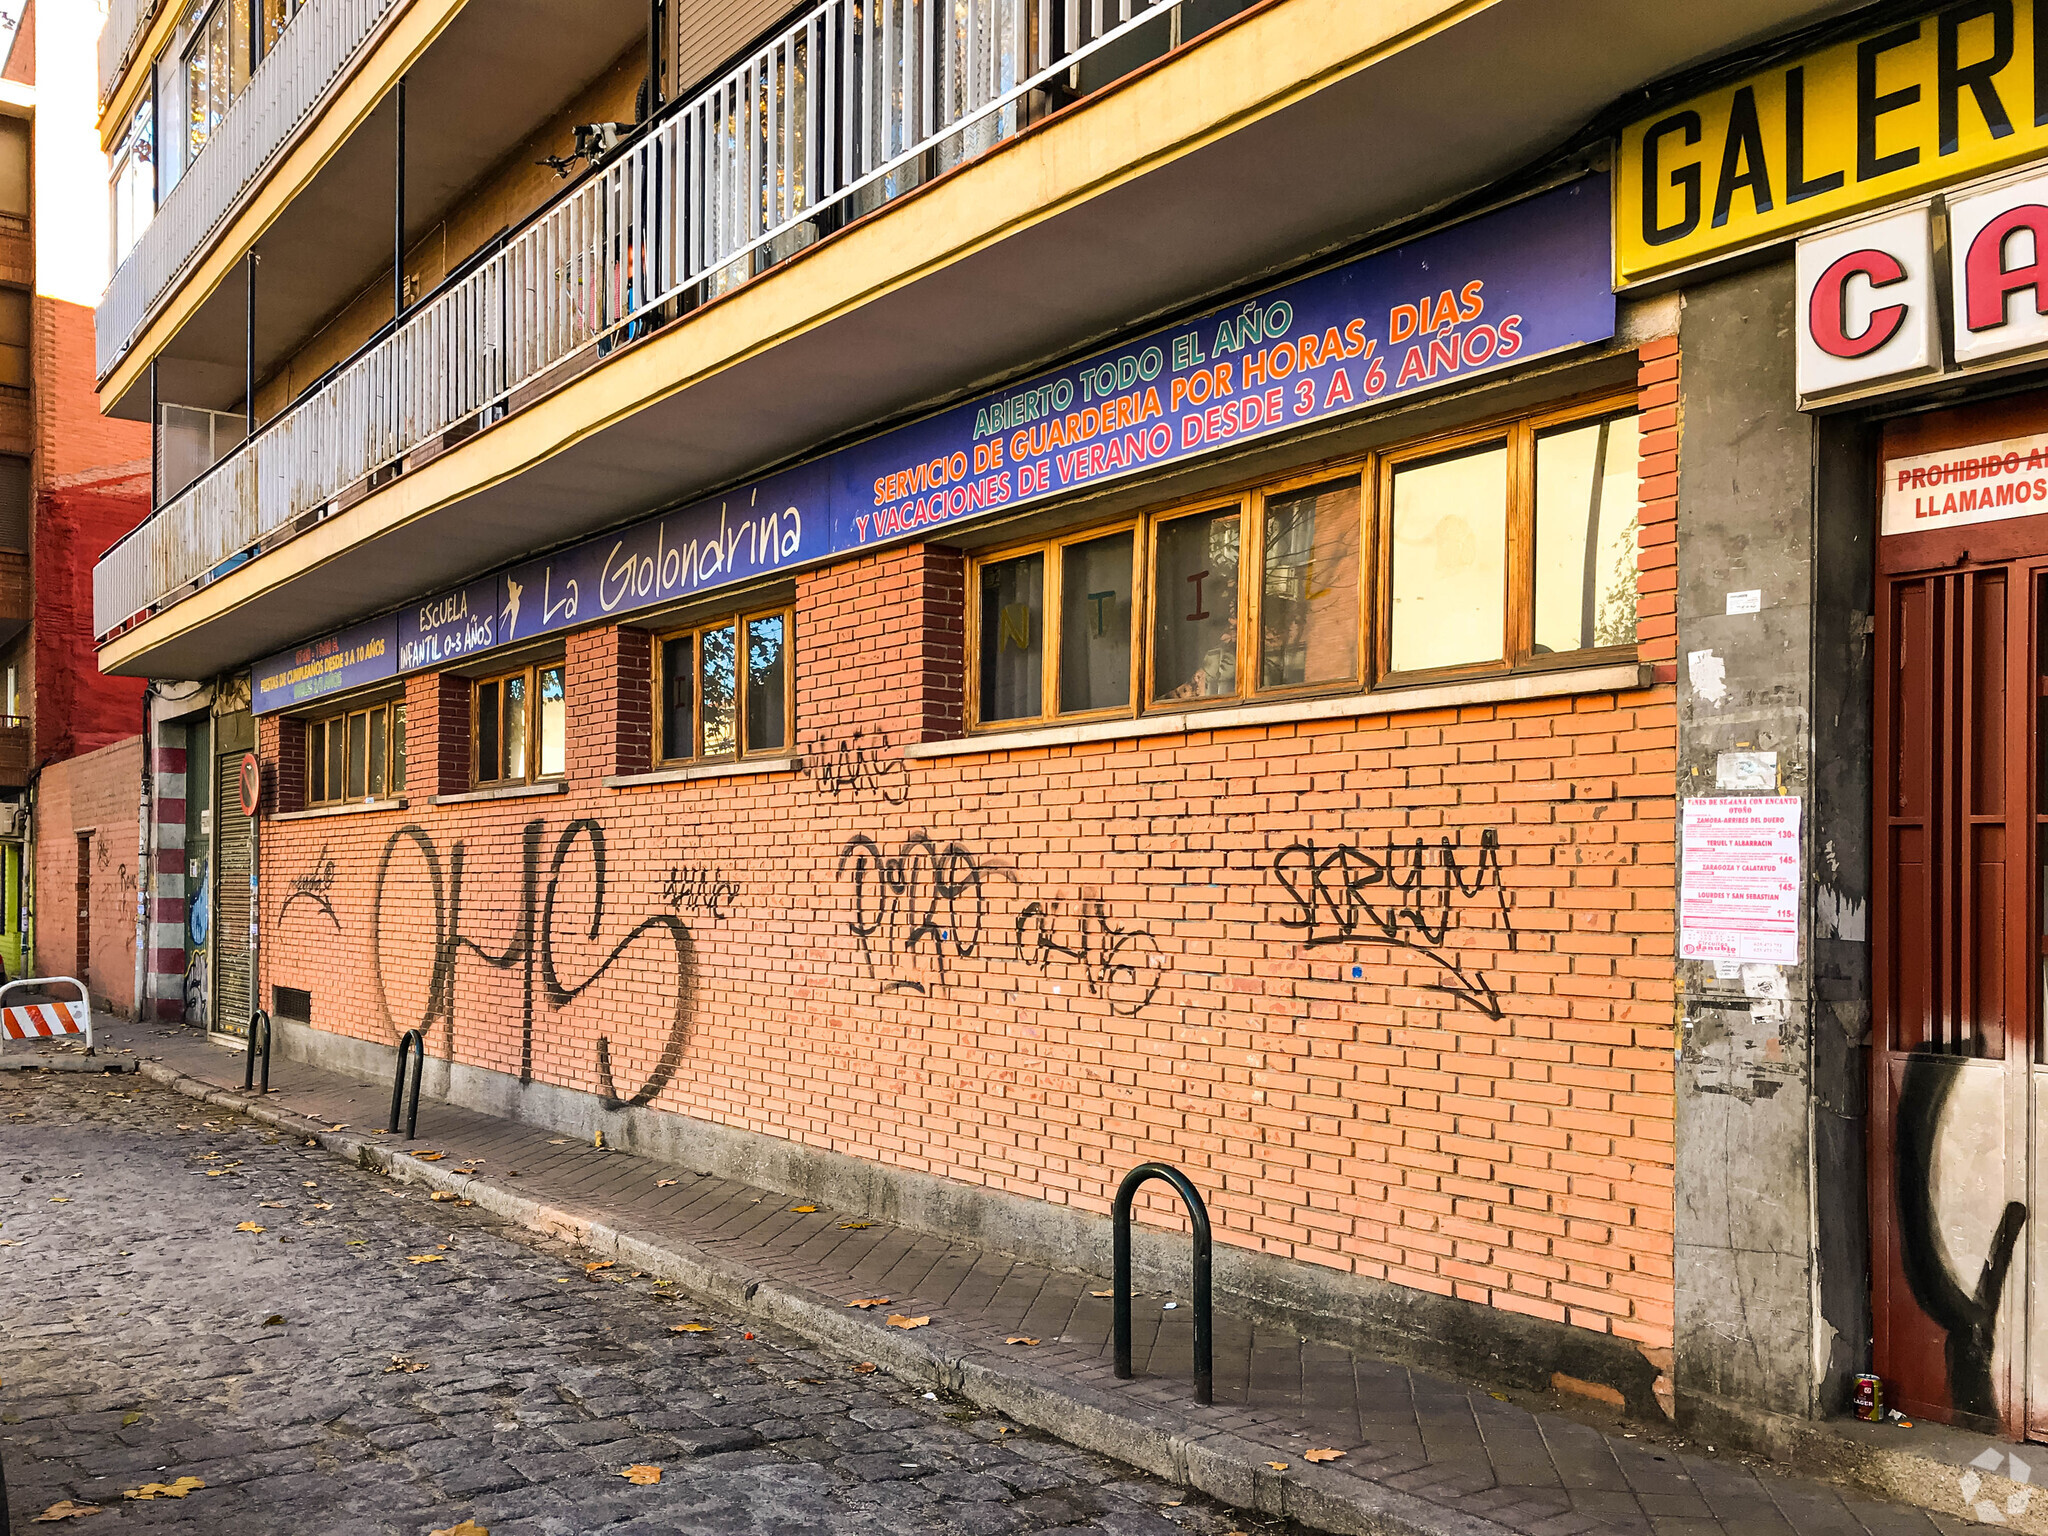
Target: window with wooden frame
[(518, 726), (722, 689), (1504, 547), (358, 754)]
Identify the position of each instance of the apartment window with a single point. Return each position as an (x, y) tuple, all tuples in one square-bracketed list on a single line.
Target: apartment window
[(214, 67), (358, 754), (519, 726), (134, 179), (1502, 548), (722, 690), (15, 306), (16, 183), (276, 13)]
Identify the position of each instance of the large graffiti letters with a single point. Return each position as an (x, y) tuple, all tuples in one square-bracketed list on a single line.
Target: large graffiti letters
[(535, 941), (914, 911), (1402, 893), (852, 767), (1121, 964)]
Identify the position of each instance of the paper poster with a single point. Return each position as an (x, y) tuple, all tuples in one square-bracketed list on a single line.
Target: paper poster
[(1739, 885)]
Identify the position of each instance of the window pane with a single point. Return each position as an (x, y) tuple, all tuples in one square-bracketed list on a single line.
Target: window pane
[(337, 758), (719, 688), (1013, 638), (488, 766), (316, 762), (380, 748), (1095, 624), (358, 755), (767, 684), (1309, 608), (397, 747), (1194, 608), (1586, 536), (515, 726), (217, 68), (1450, 575), (238, 42), (677, 690), (552, 721)]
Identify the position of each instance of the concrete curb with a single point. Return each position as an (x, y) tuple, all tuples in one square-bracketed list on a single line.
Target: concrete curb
[(1219, 1464)]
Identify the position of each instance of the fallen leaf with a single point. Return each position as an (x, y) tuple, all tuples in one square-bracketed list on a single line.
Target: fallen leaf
[(424, 1258), (559, 1141), (274, 1205), (130, 1418), (275, 1320), (691, 1328), (444, 1194), (803, 1210), (865, 1368), (250, 1226), (309, 1184), (176, 1490), (591, 1269), (465, 1170), (642, 1476), (1102, 1293), (322, 1205), (430, 1157), (60, 1199), (663, 1183), (11, 1242), (65, 1509), (1018, 1338), (401, 1363), (356, 1242), (466, 1528), (1277, 1466), (854, 1226), (1321, 1454), (342, 1127), (871, 1301), (563, 1279), (897, 1320), (214, 1173)]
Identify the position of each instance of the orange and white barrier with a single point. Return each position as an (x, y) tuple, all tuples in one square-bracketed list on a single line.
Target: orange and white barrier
[(45, 1021)]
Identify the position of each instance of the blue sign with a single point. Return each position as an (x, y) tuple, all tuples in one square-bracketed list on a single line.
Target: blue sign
[(1518, 283), (362, 653)]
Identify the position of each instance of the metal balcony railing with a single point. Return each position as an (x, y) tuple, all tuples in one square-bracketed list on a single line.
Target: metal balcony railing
[(831, 117), (127, 20), (307, 58)]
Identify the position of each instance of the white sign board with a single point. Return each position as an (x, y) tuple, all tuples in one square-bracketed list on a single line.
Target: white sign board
[(1739, 886), (1994, 241), (1982, 483)]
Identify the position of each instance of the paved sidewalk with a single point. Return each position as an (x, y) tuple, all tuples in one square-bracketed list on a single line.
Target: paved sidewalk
[(1422, 1455)]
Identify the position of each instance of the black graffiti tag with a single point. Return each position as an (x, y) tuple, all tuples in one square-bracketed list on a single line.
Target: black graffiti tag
[(532, 945), (852, 768), (1122, 964), (315, 887), (699, 888), (915, 910), (1405, 894)]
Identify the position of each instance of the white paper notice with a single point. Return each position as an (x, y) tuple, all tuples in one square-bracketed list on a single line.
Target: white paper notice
[(1738, 896)]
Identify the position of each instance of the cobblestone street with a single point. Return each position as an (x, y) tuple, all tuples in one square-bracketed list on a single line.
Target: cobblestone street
[(191, 1294)]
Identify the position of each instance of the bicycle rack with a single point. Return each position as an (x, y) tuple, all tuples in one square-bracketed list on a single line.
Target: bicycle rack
[(259, 1017), (415, 1042), (1198, 1215)]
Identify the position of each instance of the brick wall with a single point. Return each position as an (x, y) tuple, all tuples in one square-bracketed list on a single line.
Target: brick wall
[(1029, 969), (100, 791)]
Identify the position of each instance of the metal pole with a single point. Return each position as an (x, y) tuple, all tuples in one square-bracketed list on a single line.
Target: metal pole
[(1120, 1283), (155, 445), (249, 352), (398, 208)]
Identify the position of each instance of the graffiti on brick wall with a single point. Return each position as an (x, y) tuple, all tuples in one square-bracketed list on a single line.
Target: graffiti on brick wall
[(420, 890), (921, 909), (699, 888), (851, 766), (1413, 894), (314, 888)]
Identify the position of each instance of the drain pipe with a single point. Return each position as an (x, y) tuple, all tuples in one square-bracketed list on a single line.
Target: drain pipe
[(143, 880)]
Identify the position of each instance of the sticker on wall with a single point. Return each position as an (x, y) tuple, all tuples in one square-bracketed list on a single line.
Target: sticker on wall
[(1739, 879), (1740, 771), (1751, 601)]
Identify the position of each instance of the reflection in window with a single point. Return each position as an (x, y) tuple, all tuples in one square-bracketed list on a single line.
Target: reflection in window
[(1013, 638), (1095, 623), (718, 688), (1586, 536), (767, 687), (1450, 573), (358, 756), (1309, 612), (550, 721), (380, 752), (1194, 607), (514, 766), (487, 707), (678, 716)]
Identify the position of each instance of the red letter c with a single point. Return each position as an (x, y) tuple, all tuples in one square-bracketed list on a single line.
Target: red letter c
[(1824, 311)]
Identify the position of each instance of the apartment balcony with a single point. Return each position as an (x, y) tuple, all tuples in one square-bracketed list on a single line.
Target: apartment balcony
[(887, 205)]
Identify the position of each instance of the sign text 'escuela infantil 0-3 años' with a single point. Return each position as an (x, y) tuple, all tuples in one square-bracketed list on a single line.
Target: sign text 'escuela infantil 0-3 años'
[(1516, 283), (1896, 110)]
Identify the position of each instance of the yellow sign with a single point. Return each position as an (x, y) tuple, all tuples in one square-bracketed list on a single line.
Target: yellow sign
[(1895, 112)]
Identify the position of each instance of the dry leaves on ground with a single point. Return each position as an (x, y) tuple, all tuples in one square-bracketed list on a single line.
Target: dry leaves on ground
[(402, 1363), (430, 1157), (466, 1528), (559, 1141), (65, 1509), (663, 1183), (275, 1320), (60, 1199), (444, 1194), (803, 1210), (854, 1226), (691, 1328), (871, 1301), (250, 1226), (1277, 1466), (175, 1490), (272, 1205), (865, 1368), (1102, 1293), (465, 1170), (1321, 1454), (898, 1320), (1018, 1338), (342, 1127), (591, 1269), (425, 1258), (643, 1476)]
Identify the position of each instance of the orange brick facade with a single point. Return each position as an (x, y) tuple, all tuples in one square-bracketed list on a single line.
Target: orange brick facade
[(1027, 969)]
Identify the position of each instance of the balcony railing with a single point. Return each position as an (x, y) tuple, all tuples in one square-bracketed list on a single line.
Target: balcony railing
[(306, 59), (127, 20), (831, 117)]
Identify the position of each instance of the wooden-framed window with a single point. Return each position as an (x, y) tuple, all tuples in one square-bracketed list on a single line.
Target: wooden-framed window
[(518, 725), (1505, 547), (357, 754), (722, 689)]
